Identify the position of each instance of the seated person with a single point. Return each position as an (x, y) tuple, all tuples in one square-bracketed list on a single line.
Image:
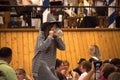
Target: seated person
[(114, 76), (106, 71), (59, 67), (5, 59), (85, 68), (79, 64), (65, 70), (21, 74)]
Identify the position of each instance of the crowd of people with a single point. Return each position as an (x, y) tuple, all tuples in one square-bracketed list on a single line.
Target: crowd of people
[(46, 66), (6, 71), (92, 69)]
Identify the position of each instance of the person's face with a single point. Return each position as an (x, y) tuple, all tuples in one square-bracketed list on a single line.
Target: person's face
[(91, 50), (54, 28), (81, 69), (102, 67), (61, 67), (66, 66), (20, 76)]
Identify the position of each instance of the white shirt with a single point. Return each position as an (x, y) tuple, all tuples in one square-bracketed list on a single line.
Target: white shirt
[(82, 75), (94, 57), (99, 3), (37, 2)]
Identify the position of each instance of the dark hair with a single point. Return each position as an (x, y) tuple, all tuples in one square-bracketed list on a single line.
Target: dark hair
[(86, 65), (107, 70), (21, 70), (116, 62), (114, 76), (5, 52), (81, 60), (58, 63), (46, 27), (66, 62)]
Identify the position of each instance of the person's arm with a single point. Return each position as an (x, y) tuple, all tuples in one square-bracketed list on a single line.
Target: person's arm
[(90, 73), (75, 75), (60, 44), (43, 44)]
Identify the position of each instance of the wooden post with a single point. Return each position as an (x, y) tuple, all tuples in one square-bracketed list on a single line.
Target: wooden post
[(7, 18)]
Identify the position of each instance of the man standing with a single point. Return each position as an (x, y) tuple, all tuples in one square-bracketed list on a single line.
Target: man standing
[(5, 59), (48, 41)]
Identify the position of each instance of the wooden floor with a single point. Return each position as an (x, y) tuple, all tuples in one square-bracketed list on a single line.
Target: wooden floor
[(22, 42)]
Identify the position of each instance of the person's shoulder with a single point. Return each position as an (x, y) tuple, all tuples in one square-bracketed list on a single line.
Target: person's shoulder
[(9, 72), (85, 73), (82, 75), (61, 76), (6, 67)]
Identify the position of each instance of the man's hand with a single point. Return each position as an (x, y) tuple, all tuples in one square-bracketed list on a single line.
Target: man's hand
[(75, 75), (51, 33)]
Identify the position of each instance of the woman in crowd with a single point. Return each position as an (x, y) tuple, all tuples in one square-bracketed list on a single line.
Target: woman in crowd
[(94, 53), (59, 67), (65, 71)]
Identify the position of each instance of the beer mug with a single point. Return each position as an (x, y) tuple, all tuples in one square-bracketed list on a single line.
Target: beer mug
[(59, 32)]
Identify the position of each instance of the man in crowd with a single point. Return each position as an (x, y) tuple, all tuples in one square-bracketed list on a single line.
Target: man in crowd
[(5, 59)]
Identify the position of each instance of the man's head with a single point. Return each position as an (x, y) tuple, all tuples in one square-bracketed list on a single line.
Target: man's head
[(107, 69), (81, 60), (85, 66), (6, 54)]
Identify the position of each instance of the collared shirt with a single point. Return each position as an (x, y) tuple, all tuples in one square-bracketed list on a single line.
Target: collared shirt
[(7, 70), (94, 57)]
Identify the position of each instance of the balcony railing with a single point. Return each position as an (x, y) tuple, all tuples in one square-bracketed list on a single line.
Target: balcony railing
[(71, 16)]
